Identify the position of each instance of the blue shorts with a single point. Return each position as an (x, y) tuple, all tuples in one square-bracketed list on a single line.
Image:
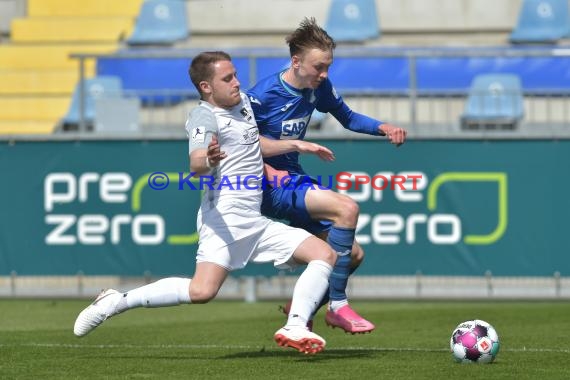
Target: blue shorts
[(288, 203)]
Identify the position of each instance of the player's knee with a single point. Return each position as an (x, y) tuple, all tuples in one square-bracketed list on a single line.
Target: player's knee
[(314, 248), (348, 210), (323, 251), (327, 254), (202, 294), (351, 209)]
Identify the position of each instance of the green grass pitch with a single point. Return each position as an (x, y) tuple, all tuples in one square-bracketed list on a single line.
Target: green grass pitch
[(233, 340)]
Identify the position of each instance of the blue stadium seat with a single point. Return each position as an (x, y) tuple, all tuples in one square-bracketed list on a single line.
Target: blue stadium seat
[(494, 100), (542, 21), (160, 22), (95, 88), (353, 20)]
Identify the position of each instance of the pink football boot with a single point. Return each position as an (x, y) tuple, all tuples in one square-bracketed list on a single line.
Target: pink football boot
[(348, 320)]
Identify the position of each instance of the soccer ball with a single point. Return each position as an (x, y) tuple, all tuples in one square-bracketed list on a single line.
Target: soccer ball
[(474, 341)]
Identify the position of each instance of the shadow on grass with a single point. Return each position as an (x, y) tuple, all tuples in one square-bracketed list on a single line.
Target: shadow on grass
[(326, 355), (254, 355)]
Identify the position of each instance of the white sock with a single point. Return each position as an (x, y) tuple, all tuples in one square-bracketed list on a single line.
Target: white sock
[(335, 305), (309, 290), (166, 292)]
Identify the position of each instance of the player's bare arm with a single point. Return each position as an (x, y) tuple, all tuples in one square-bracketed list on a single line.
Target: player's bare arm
[(202, 160), (395, 135), (271, 173), (270, 147)]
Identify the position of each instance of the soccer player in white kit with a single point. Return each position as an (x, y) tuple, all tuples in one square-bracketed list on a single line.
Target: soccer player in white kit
[(224, 144)]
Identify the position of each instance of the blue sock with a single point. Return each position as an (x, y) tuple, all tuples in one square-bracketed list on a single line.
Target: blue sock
[(341, 240)]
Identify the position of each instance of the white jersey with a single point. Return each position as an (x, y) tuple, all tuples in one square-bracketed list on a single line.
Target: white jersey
[(231, 228), (238, 178)]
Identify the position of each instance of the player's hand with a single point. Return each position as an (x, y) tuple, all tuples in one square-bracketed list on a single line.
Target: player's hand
[(275, 176), (395, 135), (323, 152), (214, 154)]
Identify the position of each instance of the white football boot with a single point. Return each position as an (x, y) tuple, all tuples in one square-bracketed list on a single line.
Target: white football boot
[(300, 338), (93, 315)]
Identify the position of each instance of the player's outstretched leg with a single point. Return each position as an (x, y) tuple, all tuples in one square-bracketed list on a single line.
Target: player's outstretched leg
[(165, 292), (99, 311)]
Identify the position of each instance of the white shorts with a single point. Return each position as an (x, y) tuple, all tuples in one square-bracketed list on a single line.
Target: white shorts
[(234, 238)]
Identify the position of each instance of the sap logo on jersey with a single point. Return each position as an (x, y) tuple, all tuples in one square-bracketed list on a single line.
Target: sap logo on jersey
[(294, 128)]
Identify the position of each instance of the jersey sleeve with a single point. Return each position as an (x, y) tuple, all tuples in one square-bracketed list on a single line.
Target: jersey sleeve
[(330, 101), (328, 98), (200, 127), (355, 121)]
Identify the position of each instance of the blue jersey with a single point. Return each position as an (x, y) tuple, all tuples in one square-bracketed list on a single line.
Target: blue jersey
[(283, 113)]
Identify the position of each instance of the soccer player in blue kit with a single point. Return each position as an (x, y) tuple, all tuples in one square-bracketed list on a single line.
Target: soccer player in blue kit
[(282, 104)]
